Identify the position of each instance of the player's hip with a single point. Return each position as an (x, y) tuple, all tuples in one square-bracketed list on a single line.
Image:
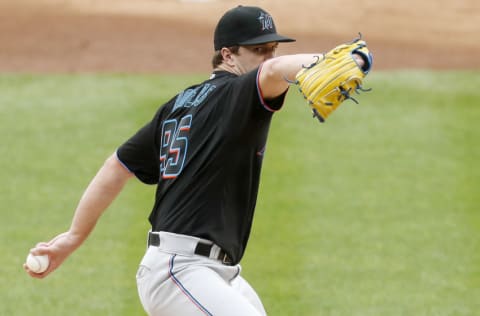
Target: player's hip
[(168, 254), (171, 275)]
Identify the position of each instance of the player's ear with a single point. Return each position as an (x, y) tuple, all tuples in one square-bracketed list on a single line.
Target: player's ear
[(227, 56)]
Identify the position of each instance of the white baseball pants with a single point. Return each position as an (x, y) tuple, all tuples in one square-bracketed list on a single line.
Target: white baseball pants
[(173, 281)]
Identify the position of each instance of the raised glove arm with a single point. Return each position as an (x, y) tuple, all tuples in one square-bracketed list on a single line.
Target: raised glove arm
[(333, 78)]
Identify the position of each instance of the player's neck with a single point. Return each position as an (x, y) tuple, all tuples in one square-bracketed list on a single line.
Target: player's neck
[(225, 67)]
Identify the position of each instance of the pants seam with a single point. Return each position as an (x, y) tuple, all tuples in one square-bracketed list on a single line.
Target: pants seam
[(182, 288)]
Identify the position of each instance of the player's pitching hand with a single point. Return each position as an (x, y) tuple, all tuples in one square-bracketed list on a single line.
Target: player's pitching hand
[(57, 250)]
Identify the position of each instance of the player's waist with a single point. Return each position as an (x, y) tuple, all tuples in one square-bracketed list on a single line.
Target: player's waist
[(187, 245)]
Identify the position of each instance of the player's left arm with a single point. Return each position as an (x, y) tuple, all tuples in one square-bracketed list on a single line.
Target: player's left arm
[(278, 73)]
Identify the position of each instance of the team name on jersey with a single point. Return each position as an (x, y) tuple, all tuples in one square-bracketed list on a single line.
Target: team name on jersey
[(193, 97)]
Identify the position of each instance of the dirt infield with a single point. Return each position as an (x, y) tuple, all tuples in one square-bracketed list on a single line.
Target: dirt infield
[(151, 36)]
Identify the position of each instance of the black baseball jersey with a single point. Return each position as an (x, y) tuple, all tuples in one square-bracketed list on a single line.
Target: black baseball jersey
[(204, 150)]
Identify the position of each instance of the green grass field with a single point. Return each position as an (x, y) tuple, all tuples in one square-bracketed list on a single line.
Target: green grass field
[(376, 212)]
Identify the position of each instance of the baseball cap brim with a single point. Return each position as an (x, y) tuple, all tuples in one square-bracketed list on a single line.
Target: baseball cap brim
[(267, 38)]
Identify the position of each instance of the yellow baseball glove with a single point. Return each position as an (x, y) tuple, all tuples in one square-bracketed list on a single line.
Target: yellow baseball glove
[(333, 78)]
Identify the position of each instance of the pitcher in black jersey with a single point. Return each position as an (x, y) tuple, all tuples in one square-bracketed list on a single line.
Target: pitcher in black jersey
[(203, 150)]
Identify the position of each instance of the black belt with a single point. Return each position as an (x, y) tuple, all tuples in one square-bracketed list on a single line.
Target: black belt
[(202, 249)]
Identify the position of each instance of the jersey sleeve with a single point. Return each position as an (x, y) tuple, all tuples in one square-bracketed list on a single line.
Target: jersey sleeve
[(271, 105), (139, 154), (250, 88)]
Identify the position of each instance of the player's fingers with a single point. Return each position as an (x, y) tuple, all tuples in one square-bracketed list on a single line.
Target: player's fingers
[(41, 245), (360, 61), (40, 249), (33, 274)]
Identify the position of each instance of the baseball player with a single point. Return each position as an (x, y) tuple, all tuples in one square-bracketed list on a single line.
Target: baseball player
[(203, 150)]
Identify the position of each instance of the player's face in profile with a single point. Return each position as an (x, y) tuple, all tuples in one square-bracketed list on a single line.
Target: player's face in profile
[(250, 57)]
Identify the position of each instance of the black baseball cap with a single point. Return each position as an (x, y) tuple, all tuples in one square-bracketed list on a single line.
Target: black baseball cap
[(246, 25)]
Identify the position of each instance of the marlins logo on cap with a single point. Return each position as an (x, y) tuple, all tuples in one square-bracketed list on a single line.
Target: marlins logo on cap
[(246, 26), (266, 21)]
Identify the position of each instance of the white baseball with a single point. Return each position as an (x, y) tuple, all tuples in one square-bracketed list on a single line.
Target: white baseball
[(37, 264)]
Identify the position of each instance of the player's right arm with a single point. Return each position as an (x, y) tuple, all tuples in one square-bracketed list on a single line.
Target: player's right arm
[(100, 193)]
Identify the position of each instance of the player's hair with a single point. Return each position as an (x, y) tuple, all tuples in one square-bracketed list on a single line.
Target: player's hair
[(217, 58)]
